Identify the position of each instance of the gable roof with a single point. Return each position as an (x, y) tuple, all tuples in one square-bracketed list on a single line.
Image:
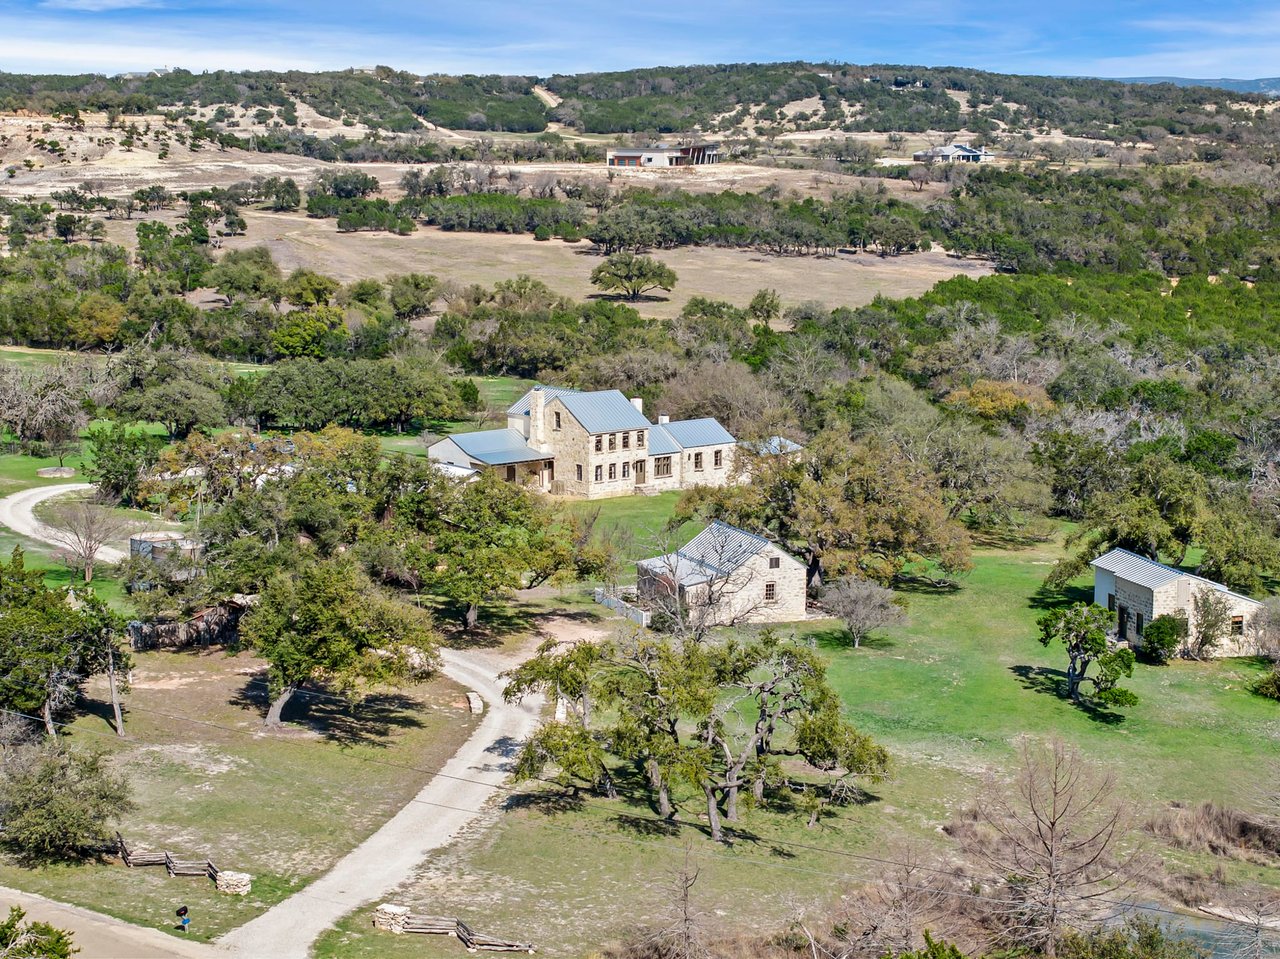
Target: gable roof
[(496, 447), (601, 411), (702, 432), (1137, 569), (662, 443), (773, 446), (718, 551)]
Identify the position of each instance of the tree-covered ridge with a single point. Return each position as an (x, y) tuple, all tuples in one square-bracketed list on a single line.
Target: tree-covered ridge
[(852, 98), (884, 97), (384, 99)]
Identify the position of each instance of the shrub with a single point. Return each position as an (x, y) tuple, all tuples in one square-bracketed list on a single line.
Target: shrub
[(1269, 685), (542, 233), (1164, 636)]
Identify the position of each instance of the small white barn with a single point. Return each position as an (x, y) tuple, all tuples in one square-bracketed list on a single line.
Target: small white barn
[(726, 575), (954, 153), (1138, 590)]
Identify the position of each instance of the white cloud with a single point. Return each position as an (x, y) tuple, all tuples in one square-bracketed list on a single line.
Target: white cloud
[(98, 6)]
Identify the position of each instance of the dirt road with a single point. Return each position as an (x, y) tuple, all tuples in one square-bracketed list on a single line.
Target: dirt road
[(17, 511)]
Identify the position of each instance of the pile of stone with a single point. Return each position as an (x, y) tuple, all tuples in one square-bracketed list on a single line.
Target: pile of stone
[(391, 917), (233, 883)]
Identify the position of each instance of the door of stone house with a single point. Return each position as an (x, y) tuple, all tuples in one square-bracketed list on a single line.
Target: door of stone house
[(638, 472)]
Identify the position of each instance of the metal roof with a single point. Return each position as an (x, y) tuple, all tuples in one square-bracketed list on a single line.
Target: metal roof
[(521, 406), (1147, 572), (602, 411), (718, 550), (773, 446), (661, 442), (703, 432), (497, 447)]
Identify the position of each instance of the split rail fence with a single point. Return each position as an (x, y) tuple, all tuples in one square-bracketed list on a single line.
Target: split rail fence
[(399, 919), (234, 883)]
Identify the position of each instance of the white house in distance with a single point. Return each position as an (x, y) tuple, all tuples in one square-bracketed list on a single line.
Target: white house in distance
[(664, 155), (594, 445), (727, 575), (1138, 590), (954, 153)]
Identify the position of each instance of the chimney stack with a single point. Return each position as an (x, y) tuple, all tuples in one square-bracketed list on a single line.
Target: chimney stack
[(536, 416), (638, 403), (663, 419)]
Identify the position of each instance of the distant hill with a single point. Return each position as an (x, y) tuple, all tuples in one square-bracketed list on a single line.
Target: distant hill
[(741, 99), (1268, 86)]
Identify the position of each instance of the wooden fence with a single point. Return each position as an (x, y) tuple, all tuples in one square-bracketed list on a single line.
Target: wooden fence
[(399, 919), (236, 883)]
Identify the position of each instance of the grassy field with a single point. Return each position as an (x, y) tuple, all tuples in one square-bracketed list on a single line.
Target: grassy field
[(949, 694), (282, 807)]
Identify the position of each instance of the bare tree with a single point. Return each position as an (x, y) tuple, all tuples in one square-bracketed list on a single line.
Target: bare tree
[(1053, 845), (83, 526), (862, 606), (682, 937), (1255, 929)]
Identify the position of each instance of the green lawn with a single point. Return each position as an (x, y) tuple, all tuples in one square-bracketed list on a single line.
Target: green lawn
[(949, 694), (283, 807)]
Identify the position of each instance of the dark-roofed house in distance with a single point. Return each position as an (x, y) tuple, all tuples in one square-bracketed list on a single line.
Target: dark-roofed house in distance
[(594, 445)]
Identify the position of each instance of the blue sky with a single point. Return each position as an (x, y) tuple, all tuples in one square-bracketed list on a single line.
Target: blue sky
[(1089, 37)]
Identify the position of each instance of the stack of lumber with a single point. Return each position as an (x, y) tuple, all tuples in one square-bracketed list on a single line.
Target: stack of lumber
[(479, 941), (399, 919)]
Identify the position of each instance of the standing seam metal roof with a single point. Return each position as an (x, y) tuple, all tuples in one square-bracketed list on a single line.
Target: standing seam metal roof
[(702, 432), (719, 550), (496, 447), (601, 411), (1147, 572)]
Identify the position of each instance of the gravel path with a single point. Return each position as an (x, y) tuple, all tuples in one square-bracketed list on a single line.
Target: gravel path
[(388, 858), (17, 513)]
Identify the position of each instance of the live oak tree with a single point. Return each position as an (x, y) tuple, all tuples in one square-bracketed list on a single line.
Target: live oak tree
[(860, 509), (122, 457), (633, 275), (1083, 629), (324, 625)]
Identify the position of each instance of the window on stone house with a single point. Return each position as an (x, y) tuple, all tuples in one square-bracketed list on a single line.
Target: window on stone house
[(775, 562), (626, 470), (662, 466), (1111, 602), (599, 473), (579, 472), (613, 442), (599, 444), (613, 471), (719, 458), (1237, 625), (626, 441), (557, 420), (697, 461), (1137, 624), (770, 592), (640, 438), (511, 474)]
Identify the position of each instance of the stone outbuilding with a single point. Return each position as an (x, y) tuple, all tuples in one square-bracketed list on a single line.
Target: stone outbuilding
[(1138, 590), (728, 575)]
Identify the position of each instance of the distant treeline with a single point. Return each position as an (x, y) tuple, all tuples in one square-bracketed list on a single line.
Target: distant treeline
[(879, 97)]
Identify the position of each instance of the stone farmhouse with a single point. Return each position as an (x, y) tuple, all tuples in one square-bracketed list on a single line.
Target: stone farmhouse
[(664, 155), (726, 575), (1138, 590), (954, 153), (594, 445)]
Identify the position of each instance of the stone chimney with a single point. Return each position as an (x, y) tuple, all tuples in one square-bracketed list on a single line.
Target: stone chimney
[(638, 403), (663, 419), (537, 413)]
